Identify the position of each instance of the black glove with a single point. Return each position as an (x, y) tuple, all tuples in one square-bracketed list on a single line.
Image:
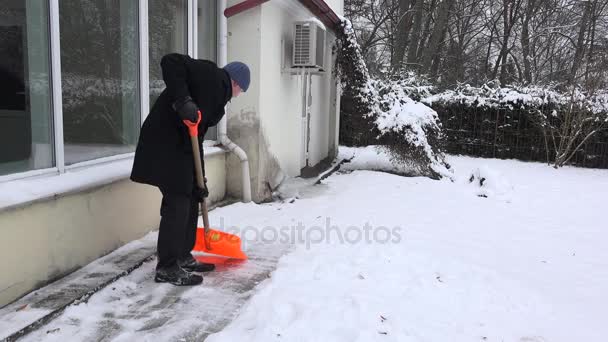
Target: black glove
[(200, 194), (186, 108)]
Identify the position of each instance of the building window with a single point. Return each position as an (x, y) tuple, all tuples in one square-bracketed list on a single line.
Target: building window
[(207, 40), (100, 87), (168, 33), (98, 112), (26, 139), (207, 30)]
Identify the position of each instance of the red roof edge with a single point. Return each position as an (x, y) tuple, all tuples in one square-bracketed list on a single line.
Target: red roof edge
[(241, 7), (319, 8), (323, 12)]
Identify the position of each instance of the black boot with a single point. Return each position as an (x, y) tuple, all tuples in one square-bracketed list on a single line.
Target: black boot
[(192, 265), (177, 276)]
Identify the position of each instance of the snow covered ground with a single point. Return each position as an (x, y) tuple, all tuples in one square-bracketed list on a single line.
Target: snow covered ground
[(511, 251), (521, 258)]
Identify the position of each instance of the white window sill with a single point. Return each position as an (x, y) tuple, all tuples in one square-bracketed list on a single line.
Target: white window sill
[(20, 192)]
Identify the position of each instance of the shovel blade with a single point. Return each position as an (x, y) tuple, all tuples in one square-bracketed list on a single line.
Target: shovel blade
[(220, 243)]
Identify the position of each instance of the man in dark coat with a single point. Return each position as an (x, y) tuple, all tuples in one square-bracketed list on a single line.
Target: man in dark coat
[(164, 159)]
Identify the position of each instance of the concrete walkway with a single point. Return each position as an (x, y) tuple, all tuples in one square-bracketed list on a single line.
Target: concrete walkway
[(40, 306), (134, 308)]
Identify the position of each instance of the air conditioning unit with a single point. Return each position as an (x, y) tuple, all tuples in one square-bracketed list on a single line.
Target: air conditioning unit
[(308, 45)]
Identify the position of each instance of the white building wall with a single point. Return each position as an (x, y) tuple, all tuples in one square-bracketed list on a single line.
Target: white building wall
[(243, 111), (267, 120), (281, 93), (321, 110)]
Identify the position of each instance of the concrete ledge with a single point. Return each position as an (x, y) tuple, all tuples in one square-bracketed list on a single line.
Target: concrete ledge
[(47, 240), (19, 193), (41, 306), (22, 192)]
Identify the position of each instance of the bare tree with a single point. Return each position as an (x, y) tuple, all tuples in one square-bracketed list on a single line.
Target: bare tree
[(528, 41), (404, 25), (464, 29), (414, 43), (580, 45), (431, 52), (531, 7)]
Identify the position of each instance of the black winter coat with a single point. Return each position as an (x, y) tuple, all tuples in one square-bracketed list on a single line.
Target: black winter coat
[(163, 157)]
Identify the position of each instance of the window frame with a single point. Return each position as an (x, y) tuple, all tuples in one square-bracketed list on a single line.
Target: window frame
[(193, 48), (144, 90)]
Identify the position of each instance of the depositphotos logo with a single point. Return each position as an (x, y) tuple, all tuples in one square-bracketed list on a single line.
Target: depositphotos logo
[(328, 233)]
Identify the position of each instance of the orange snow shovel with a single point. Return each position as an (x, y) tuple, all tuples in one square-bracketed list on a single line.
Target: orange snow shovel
[(210, 240)]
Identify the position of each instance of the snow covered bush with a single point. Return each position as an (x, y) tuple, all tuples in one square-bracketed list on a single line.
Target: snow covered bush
[(491, 95), (379, 112), (565, 121), (568, 129), (414, 85)]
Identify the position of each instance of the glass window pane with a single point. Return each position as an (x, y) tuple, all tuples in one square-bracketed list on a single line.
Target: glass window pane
[(207, 29), (168, 32), (25, 101), (100, 77), (207, 41)]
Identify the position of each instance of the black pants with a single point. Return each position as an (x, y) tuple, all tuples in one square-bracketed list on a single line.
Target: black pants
[(177, 231)]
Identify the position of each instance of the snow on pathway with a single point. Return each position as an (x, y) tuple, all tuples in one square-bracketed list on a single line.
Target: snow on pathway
[(135, 308)]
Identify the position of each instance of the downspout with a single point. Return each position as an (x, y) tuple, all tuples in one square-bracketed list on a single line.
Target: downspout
[(222, 125)]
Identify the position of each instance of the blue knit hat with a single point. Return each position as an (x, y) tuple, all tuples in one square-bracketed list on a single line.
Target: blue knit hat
[(239, 73)]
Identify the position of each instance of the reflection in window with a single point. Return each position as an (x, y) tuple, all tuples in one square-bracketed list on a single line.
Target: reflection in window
[(25, 100), (207, 30), (207, 41), (168, 32), (99, 62)]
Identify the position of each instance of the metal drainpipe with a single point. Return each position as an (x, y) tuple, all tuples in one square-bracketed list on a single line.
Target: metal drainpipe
[(222, 126)]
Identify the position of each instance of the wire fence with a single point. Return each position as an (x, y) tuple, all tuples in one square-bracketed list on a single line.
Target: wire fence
[(510, 134)]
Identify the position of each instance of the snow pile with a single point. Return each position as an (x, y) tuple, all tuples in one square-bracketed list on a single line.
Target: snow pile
[(488, 182), (379, 112), (372, 158)]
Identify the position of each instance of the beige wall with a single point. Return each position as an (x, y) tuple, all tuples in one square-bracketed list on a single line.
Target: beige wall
[(45, 240)]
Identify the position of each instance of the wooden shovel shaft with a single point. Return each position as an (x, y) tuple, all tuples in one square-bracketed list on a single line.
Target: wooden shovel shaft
[(200, 181)]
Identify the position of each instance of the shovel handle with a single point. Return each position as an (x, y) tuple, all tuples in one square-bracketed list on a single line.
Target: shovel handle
[(198, 167), (193, 126)]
